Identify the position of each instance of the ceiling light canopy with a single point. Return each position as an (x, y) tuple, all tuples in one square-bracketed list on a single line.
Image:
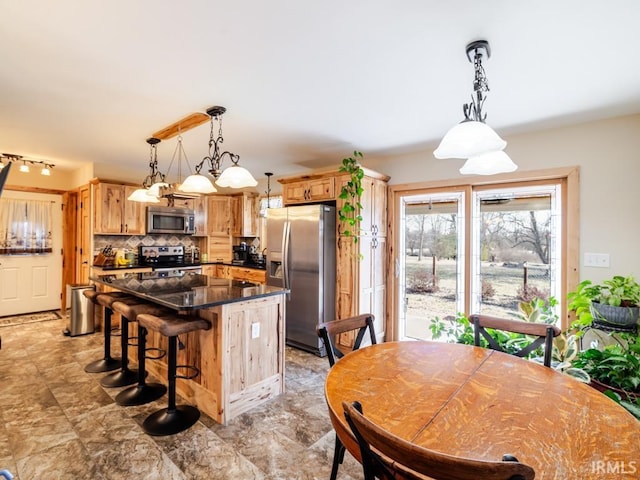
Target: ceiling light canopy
[(472, 138), (155, 179), (234, 176)]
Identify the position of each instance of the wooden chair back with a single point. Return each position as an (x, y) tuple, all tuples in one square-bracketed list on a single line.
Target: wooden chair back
[(327, 331), (387, 456), (543, 331)]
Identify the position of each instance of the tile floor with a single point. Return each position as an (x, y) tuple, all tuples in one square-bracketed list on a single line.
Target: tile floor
[(57, 422)]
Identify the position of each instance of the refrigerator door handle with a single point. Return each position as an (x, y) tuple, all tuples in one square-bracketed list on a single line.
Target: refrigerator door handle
[(285, 255)]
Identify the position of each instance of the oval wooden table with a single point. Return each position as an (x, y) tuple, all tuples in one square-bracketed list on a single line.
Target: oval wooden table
[(478, 403)]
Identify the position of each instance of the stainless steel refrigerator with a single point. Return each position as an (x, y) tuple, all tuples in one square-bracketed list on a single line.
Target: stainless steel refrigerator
[(301, 256)]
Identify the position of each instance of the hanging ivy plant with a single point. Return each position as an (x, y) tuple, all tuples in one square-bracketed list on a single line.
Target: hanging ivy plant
[(349, 213)]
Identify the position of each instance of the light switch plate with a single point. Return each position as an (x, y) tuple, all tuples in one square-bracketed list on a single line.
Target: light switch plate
[(255, 330), (600, 260)]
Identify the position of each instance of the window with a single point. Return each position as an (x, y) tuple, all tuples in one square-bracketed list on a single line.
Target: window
[(480, 249), (25, 226)]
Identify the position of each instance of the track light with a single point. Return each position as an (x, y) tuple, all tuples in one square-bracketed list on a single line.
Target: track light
[(24, 168)]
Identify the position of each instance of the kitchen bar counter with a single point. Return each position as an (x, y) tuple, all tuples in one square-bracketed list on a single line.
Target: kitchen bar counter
[(186, 291), (241, 358)]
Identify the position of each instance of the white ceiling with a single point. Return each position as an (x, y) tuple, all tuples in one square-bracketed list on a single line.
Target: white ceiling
[(304, 82)]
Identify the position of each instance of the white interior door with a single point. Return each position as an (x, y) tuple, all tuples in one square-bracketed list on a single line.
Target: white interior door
[(32, 283)]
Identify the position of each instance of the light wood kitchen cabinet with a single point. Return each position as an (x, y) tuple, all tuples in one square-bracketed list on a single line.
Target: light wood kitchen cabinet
[(222, 271), (219, 228), (244, 215), (308, 191), (209, 270), (199, 206), (254, 275), (114, 214), (361, 266), (218, 215)]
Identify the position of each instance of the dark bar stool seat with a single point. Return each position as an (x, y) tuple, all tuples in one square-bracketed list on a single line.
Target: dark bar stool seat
[(143, 392), (173, 419), (107, 363), (125, 376)]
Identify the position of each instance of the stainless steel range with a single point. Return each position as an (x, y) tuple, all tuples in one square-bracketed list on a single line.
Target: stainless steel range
[(166, 258)]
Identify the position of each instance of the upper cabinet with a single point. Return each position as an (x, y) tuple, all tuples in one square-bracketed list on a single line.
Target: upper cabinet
[(308, 191), (244, 215), (218, 215), (114, 214), (200, 207)]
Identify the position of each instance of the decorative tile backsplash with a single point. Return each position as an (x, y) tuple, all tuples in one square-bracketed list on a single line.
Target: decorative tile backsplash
[(134, 241)]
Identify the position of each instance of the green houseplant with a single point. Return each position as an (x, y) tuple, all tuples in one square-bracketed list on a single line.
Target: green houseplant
[(615, 301), (350, 194)]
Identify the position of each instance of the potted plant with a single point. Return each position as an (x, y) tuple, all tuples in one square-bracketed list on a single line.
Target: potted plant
[(615, 301), (615, 367), (350, 194)]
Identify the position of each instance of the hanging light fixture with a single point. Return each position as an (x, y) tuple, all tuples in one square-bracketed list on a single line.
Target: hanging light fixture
[(234, 176), (472, 138), (154, 177)]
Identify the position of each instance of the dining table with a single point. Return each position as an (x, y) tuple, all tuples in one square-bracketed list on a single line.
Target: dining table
[(478, 403)]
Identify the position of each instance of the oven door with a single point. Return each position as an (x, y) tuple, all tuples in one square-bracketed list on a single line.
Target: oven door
[(173, 271)]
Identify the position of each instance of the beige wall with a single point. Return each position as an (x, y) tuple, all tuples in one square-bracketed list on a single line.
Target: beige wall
[(58, 180), (608, 153)]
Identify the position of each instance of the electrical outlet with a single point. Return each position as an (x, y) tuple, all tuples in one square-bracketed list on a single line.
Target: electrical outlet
[(599, 260), (255, 330)]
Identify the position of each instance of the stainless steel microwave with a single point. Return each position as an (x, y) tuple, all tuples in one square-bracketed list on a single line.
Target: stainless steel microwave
[(170, 220)]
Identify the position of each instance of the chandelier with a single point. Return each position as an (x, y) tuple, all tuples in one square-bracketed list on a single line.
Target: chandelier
[(234, 176), (472, 138), (152, 183)]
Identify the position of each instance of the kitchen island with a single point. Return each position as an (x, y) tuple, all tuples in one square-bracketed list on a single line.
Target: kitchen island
[(241, 358)]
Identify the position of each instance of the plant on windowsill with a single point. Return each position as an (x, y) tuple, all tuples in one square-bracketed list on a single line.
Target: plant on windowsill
[(350, 194), (614, 302)]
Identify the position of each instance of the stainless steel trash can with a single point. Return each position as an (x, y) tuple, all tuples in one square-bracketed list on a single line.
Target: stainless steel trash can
[(81, 316)]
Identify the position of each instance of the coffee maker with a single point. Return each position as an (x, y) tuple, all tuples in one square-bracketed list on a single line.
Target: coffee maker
[(240, 254)]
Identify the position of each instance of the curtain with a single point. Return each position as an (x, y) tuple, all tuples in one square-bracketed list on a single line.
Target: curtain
[(25, 226)]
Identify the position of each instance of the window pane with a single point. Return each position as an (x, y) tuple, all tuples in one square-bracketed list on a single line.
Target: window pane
[(515, 251), (433, 261)]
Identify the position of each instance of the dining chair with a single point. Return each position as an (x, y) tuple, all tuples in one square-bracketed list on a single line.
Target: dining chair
[(544, 331), (387, 456), (327, 331)]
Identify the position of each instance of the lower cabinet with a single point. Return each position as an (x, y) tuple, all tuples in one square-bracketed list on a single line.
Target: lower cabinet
[(253, 275)]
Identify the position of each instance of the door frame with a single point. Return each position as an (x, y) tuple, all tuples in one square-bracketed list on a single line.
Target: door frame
[(570, 230)]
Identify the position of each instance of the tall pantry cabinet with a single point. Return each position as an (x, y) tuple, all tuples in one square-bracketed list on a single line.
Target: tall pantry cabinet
[(360, 266)]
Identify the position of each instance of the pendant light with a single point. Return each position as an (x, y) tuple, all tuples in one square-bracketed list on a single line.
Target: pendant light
[(154, 178), (234, 176), (472, 138), (488, 164)]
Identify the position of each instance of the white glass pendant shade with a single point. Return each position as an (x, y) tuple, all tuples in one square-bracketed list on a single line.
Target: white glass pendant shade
[(197, 183), (236, 177), (140, 195), (45, 171), (154, 190), (24, 168), (469, 139), (489, 164)]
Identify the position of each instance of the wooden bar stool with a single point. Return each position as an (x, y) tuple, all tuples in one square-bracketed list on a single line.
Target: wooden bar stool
[(173, 419), (125, 376), (143, 392), (107, 363)]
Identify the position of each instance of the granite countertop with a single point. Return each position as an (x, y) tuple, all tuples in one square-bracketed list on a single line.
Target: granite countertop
[(186, 291), (229, 264)]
